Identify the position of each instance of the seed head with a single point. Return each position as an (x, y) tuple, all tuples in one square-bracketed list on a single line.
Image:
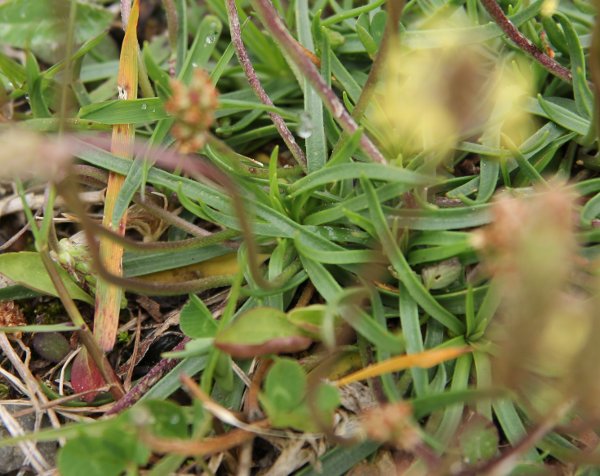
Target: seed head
[(193, 108)]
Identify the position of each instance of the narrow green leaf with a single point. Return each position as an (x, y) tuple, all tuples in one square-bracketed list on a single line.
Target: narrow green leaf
[(411, 331), (204, 44), (119, 111), (405, 274), (355, 170), (583, 95), (561, 115), (313, 131)]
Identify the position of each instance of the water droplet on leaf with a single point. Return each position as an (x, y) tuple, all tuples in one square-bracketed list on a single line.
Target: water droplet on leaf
[(210, 39), (305, 127)]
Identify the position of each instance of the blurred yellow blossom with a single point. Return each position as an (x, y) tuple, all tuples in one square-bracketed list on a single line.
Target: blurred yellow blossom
[(430, 98), (549, 7)]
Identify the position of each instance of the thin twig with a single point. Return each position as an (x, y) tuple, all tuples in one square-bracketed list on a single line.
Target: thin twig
[(136, 347), (63, 370), (13, 239), (243, 58), (20, 386), (274, 24), (12, 205), (524, 43), (171, 218)]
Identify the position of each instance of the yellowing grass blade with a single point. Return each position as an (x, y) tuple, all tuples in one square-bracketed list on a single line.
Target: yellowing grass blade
[(108, 297), (426, 359)]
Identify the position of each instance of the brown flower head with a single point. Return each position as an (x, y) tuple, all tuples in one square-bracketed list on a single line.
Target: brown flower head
[(193, 107)]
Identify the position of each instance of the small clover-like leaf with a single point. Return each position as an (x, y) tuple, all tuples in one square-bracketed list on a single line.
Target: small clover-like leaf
[(285, 386), (166, 419), (284, 398)]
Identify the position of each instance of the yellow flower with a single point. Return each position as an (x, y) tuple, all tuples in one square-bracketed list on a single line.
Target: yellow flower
[(430, 98)]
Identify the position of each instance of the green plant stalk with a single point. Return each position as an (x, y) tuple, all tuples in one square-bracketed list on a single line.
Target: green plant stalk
[(84, 332), (68, 70), (172, 26), (228, 313)]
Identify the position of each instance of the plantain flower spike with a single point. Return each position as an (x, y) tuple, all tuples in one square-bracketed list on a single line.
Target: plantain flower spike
[(193, 108), (434, 94)]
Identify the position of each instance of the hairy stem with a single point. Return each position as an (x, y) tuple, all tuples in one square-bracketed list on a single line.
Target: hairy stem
[(147, 381), (524, 43), (243, 58), (172, 26), (274, 24)]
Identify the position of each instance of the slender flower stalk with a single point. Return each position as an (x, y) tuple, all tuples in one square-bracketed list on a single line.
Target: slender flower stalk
[(524, 43), (242, 55), (172, 26), (274, 24)]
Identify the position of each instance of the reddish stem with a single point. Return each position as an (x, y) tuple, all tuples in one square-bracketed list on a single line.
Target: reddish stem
[(153, 376), (274, 24), (524, 43), (242, 55)]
